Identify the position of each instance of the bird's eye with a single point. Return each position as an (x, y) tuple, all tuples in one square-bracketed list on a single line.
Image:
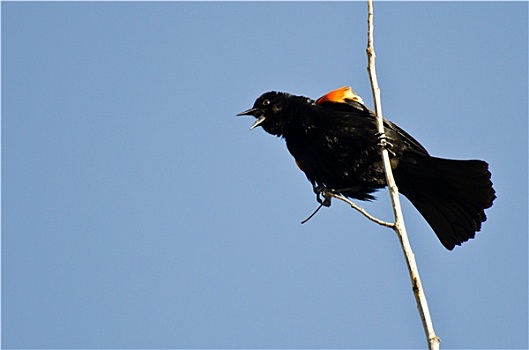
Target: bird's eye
[(266, 102)]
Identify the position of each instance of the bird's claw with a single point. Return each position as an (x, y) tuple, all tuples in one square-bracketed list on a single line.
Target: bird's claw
[(384, 142)]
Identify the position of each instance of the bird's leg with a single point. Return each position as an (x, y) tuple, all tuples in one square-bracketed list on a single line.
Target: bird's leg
[(322, 195)]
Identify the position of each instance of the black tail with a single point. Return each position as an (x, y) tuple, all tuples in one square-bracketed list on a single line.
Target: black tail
[(452, 195)]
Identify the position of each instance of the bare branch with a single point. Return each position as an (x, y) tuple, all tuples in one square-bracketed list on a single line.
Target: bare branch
[(400, 229)]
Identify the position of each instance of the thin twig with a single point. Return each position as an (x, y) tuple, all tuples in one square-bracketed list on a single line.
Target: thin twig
[(360, 209), (326, 202), (400, 229)]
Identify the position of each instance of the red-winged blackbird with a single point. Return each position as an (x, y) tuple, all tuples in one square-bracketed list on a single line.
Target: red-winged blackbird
[(335, 143)]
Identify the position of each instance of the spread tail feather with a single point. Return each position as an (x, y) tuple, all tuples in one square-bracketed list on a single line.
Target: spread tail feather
[(451, 195)]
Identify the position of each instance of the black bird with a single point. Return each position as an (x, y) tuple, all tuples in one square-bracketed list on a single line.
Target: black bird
[(334, 142)]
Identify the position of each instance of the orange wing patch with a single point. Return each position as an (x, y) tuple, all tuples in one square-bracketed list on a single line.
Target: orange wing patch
[(340, 95)]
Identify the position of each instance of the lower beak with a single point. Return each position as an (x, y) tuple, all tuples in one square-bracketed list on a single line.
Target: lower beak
[(258, 122)]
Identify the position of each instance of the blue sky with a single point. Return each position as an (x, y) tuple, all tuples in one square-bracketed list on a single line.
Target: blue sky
[(139, 212)]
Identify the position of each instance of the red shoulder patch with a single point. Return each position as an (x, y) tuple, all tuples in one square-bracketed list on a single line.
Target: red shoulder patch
[(340, 95)]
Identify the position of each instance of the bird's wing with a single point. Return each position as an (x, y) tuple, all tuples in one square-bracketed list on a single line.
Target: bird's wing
[(345, 99)]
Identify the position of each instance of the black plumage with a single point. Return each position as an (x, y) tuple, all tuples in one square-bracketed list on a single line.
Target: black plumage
[(334, 142)]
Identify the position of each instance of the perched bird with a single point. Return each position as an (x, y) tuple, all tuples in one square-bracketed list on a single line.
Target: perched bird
[(334, 141)]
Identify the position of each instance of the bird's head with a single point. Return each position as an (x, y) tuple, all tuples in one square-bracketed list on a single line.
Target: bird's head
[(273, 112)]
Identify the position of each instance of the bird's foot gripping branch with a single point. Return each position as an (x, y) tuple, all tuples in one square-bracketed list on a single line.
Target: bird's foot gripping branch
[(385, 142), (323, 195)]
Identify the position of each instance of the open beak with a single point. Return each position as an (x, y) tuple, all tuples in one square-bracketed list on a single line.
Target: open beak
[(256, 112)]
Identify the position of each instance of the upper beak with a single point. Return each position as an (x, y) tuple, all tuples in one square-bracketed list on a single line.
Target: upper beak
[(250, 111), (256, 112)]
